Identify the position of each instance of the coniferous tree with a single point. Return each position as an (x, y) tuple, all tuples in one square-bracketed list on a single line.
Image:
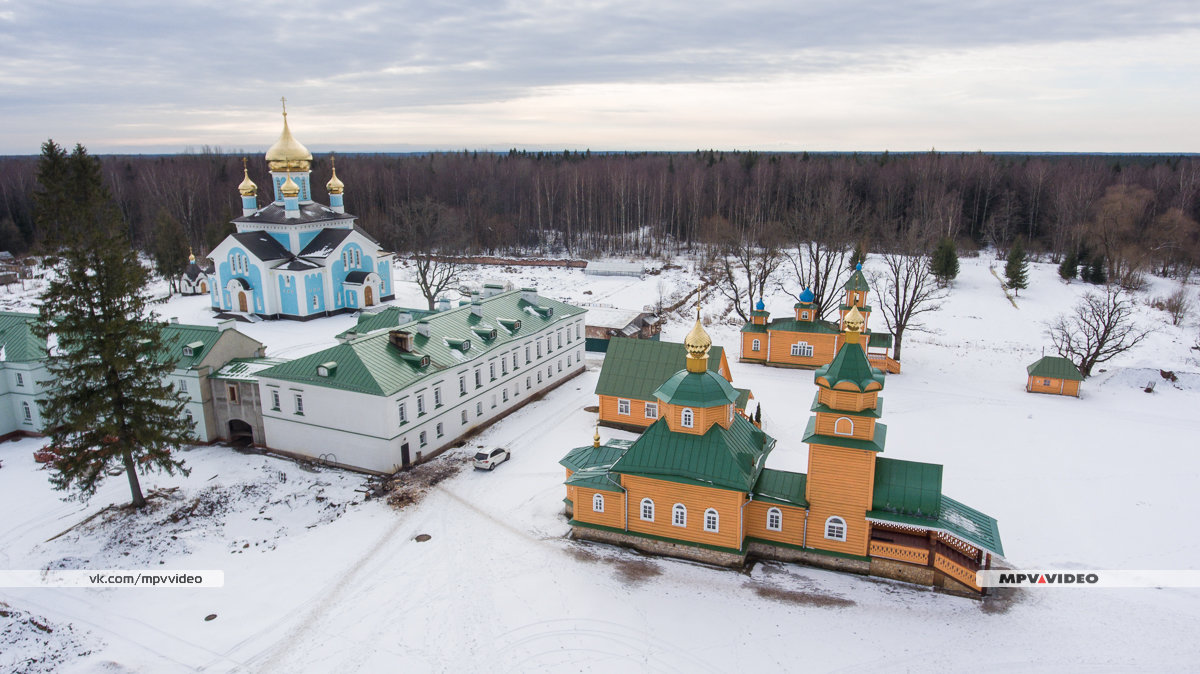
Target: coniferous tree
[(1096, 274), (859, 256), (107, 403), (170, 249), (1069, 268), (758, 414), (1016, 268), (944, 263)]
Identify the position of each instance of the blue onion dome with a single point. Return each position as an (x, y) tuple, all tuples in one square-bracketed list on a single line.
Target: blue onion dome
[(807, 296), (760, 306)]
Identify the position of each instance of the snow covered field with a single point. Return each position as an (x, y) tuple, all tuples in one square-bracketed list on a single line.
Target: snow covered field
[(318, 579)]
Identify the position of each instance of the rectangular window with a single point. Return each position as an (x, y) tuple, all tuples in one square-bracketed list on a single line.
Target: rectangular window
[(299, 404), (478, 378), (464, 417), (529, 383), (802, 349), (503, 367), (514, 357), (539, 377), (462, 386), (479, 409), (403, 412), (420, 404), (182, 384), (424, 439), (526, 354), (492, 371), (29, 412), (558, 336), (21, 382), (578, 330), (504, 395), (539, 349), (560, 366), (275, 400), (622, 407), (549, 372), (440, 433), (651, 410), (232, 388), (549, 343), (493, 401), (188, 414), (437, 396)]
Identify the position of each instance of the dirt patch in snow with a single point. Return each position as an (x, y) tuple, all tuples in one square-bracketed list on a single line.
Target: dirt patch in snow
[(802, 597), (636, 570), (410, 487), (1000, 600), (30, 643)]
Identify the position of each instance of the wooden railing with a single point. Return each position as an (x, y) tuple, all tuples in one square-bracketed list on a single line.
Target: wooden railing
[(884, 363), (901, 553), (962, 574)]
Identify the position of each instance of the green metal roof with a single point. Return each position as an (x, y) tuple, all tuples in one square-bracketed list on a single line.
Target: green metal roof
[(597, 477), (589, 457), (1055, 367), (857, 282), (696, 389), (781, 486), (751, 327), (385, 319), (17, 341), (881, 339), (180, 337), (907, 487), (955, 519), (792, 325), (743, 398), (874, 414), (811, 436), (245, 369), (850, 365), (369, 364), (634, 368), (727, 458)]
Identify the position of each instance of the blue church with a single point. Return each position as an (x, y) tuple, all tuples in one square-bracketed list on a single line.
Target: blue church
[(295, 258)]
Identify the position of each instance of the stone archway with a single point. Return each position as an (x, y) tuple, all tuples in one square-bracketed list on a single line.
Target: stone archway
[(240, 432)]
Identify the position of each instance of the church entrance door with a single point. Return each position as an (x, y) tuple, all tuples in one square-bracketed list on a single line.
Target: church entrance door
[(242, 303), (368, 296), (404, 459), (203, 287)]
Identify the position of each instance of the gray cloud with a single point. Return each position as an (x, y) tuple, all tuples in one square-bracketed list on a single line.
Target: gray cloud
[(95, 66)]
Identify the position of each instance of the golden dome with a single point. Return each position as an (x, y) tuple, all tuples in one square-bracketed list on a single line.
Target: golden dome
[(334, 186), (191, 256), (697, 343), (289, 188), (287, 154), (247, 186), (854, 320)]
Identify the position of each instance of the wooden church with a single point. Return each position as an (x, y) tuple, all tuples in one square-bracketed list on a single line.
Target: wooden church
[(696, 485), (805, 340)]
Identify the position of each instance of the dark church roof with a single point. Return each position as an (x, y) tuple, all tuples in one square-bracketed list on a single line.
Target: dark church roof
[(262, 245), (323, 244), (356, 277), (193, 271), (274, 214)]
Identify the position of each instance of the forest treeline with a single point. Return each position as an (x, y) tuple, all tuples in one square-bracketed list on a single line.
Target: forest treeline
[(1139, 213)]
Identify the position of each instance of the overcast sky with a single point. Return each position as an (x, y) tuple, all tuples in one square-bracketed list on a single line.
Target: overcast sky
[(1011, 75)]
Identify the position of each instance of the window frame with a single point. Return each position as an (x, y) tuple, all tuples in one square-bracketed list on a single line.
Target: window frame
[(679, 515), (777, 515), (647, 507), (598, 502), (687, 418), (832, 527), (623, 407), (712, 520)]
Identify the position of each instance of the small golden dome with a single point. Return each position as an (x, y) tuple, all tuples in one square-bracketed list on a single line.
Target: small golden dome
[(596, 437), (334, 186), (697, 343), (247, 187), (287, 154), (854, 320), (191, 256), (289, 188)]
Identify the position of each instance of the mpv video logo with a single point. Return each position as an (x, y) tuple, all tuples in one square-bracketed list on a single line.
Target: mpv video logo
[(1095, 578)]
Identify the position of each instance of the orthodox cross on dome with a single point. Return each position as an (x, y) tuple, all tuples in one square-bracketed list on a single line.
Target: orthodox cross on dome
[(283, 102)]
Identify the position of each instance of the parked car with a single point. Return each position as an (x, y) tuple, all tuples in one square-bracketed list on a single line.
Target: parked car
[(489, 460)]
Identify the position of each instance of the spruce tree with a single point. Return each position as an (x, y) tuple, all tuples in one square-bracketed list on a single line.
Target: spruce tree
[(859, 256), (107, 403), (758, 414), (1069, 268), (1016, 268), (1095, 273), (944, 263), (170, 249)]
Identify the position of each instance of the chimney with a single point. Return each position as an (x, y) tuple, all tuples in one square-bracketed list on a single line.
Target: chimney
[(443, 304), (226, 324), (423, 327), (529, 295), (476, 303), (401, 339), (174, 319)]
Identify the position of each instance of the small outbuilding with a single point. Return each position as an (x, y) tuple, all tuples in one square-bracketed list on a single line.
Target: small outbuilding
[(1054, 374)]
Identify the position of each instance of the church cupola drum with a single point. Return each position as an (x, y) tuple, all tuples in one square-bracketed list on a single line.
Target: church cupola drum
[(296, 258)]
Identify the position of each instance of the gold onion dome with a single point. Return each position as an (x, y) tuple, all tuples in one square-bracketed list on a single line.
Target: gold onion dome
[(247, 186), (697, 343), (334, 186), (287, 154), (289, 188), (854, 320), (191, 256)]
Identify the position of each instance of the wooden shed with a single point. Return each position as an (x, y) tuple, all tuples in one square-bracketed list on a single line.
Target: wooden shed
[(1054, 374)]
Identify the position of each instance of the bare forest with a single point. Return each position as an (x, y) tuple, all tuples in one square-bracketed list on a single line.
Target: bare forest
[(1132, 214)]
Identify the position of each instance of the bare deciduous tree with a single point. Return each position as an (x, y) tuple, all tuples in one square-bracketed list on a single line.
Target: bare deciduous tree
[(741, 273), (907, 289), (432, 234), (1100, 327)]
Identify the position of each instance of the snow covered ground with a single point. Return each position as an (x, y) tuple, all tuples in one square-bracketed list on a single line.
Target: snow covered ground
[(318, 579)]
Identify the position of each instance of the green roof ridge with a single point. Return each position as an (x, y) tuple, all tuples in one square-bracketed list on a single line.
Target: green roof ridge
[(850, 365), (697, 389), (725, 458), (635, 368), (1056, 367)]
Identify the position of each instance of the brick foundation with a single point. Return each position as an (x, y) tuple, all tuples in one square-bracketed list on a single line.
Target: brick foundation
[(657, 547)]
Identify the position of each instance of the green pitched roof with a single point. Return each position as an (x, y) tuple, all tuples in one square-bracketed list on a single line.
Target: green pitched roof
[(17, 341), (634, 368), (597, 477), (726, 458), (589, 457), (696, 389), (385, 319), (1055, 367), (955, 519), (743, 398), (245, 369), (819, 326), (881, 339), (857, 282), (907, 487), (181, 339), (811, 436), (876, 413), (850, 365), (781, 486), (369, 364)]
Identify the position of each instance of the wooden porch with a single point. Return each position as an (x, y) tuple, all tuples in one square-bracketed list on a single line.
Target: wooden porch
[(953, 557), (884, 362)]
